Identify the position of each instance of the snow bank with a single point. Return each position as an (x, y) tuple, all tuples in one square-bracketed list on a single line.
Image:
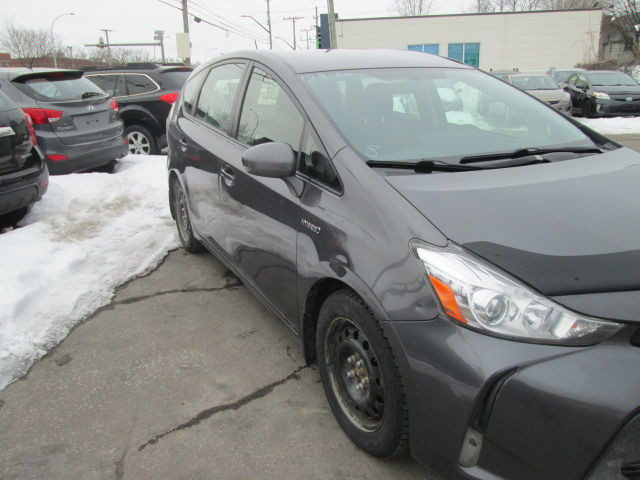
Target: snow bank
[(613, 126), (89, 234)]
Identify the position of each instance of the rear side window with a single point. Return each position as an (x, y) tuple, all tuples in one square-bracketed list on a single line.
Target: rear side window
[(5, 103), (138, 83), (215, 105), (191, 89), (59, 90), (268, 114), (112, 84)]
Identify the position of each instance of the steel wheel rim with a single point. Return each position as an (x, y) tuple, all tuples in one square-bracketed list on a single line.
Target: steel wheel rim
[(182, 215), (138, 143), (354, 374)]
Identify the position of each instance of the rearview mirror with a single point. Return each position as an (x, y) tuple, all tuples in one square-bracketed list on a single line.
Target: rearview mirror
[(273, 159)]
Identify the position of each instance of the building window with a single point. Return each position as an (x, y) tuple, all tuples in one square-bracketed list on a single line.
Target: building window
[(433, 48), (468, 53)]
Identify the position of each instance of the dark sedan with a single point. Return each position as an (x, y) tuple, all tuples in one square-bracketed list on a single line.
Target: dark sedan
[(465, 277), (602, 93), (23, 172), (78, 124)]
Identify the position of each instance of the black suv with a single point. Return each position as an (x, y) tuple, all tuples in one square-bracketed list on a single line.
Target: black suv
[(145, 92), (23, 173)]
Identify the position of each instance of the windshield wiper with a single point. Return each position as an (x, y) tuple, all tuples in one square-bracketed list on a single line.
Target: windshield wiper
[(91, 94), (430, 166), (525, 152)]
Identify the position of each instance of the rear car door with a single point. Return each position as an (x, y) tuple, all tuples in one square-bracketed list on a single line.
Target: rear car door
[(75, 109), (201, 139), (260, 214)]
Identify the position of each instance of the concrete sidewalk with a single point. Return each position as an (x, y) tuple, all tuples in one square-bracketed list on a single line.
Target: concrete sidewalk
[(184, 376)]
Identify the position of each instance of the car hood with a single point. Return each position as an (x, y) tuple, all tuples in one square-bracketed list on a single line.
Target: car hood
[(565, 228), (552, 95)]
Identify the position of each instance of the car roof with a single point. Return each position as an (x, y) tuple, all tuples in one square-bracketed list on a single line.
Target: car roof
[(304, 61), (603, 71), (15, 71), (137, 67)]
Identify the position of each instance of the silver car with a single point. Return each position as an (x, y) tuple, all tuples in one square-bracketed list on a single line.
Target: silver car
[(541, 86)]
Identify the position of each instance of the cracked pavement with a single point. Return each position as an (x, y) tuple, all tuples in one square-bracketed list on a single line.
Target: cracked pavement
[(185, 375)]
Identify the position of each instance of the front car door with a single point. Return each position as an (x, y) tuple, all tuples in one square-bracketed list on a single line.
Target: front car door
[(260, 214), (203, 130)]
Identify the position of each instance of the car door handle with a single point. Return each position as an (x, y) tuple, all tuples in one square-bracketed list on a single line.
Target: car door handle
[(183, 143)]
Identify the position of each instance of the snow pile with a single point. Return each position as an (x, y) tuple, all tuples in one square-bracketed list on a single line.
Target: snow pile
[(90, 233), (613, 126)]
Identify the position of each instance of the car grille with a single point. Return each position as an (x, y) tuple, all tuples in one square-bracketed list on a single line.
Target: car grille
[(623, 98), (621, 459)]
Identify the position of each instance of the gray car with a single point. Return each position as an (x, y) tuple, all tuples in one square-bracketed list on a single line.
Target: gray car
[(464, 274), (541, 86), (77, 124)]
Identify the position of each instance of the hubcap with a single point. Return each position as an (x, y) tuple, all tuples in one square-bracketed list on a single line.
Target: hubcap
[(182, 215), (354, 374), (138, 143)]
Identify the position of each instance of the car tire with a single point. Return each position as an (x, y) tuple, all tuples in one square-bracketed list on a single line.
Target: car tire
[(183, 221), (12, 218), (141, 140), (360, 377)]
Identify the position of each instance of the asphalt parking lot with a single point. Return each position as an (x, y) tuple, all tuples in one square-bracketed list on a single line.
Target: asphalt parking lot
[(183, 376)]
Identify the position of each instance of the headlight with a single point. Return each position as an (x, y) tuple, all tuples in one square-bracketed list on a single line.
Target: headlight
[(602, 95), (480, 296)]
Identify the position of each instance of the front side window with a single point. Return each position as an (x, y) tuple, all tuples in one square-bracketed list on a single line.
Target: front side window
[(268, 114), (215, 104), (581, 81), (138, 83), (315, 163), (413, 114)]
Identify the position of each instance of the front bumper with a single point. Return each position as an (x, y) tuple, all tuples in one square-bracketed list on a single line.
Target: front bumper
[(617, 108), (542, 411), (564, 107)]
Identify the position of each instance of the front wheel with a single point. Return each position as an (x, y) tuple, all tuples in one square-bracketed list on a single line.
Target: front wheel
[(183, 221), (360, 377)]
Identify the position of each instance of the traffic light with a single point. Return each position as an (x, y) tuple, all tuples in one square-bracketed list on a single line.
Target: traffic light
[(318, 37)]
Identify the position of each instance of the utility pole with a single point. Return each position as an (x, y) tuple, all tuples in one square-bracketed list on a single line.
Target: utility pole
[(293, 21), (269, 25), (333, 41), (185, 25), (159, 36), (106, 34)]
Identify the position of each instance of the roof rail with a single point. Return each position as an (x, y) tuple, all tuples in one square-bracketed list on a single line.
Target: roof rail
[(133, 66)]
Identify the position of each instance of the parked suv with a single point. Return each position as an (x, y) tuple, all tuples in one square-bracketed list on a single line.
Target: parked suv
[(145, 92), (78, 125), (23, 173), (466, 280)]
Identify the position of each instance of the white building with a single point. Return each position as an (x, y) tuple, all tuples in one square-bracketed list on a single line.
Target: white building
[(524, 40)]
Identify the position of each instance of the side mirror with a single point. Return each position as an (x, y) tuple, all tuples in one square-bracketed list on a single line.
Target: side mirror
[(273, 159)]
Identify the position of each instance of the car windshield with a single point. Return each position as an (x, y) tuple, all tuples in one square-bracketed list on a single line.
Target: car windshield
[(53, 89), (562, 75), (412, 114), (534, 82), (611, 79)]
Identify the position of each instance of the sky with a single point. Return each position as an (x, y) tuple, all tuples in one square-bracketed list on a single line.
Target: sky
[(134, 21)]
